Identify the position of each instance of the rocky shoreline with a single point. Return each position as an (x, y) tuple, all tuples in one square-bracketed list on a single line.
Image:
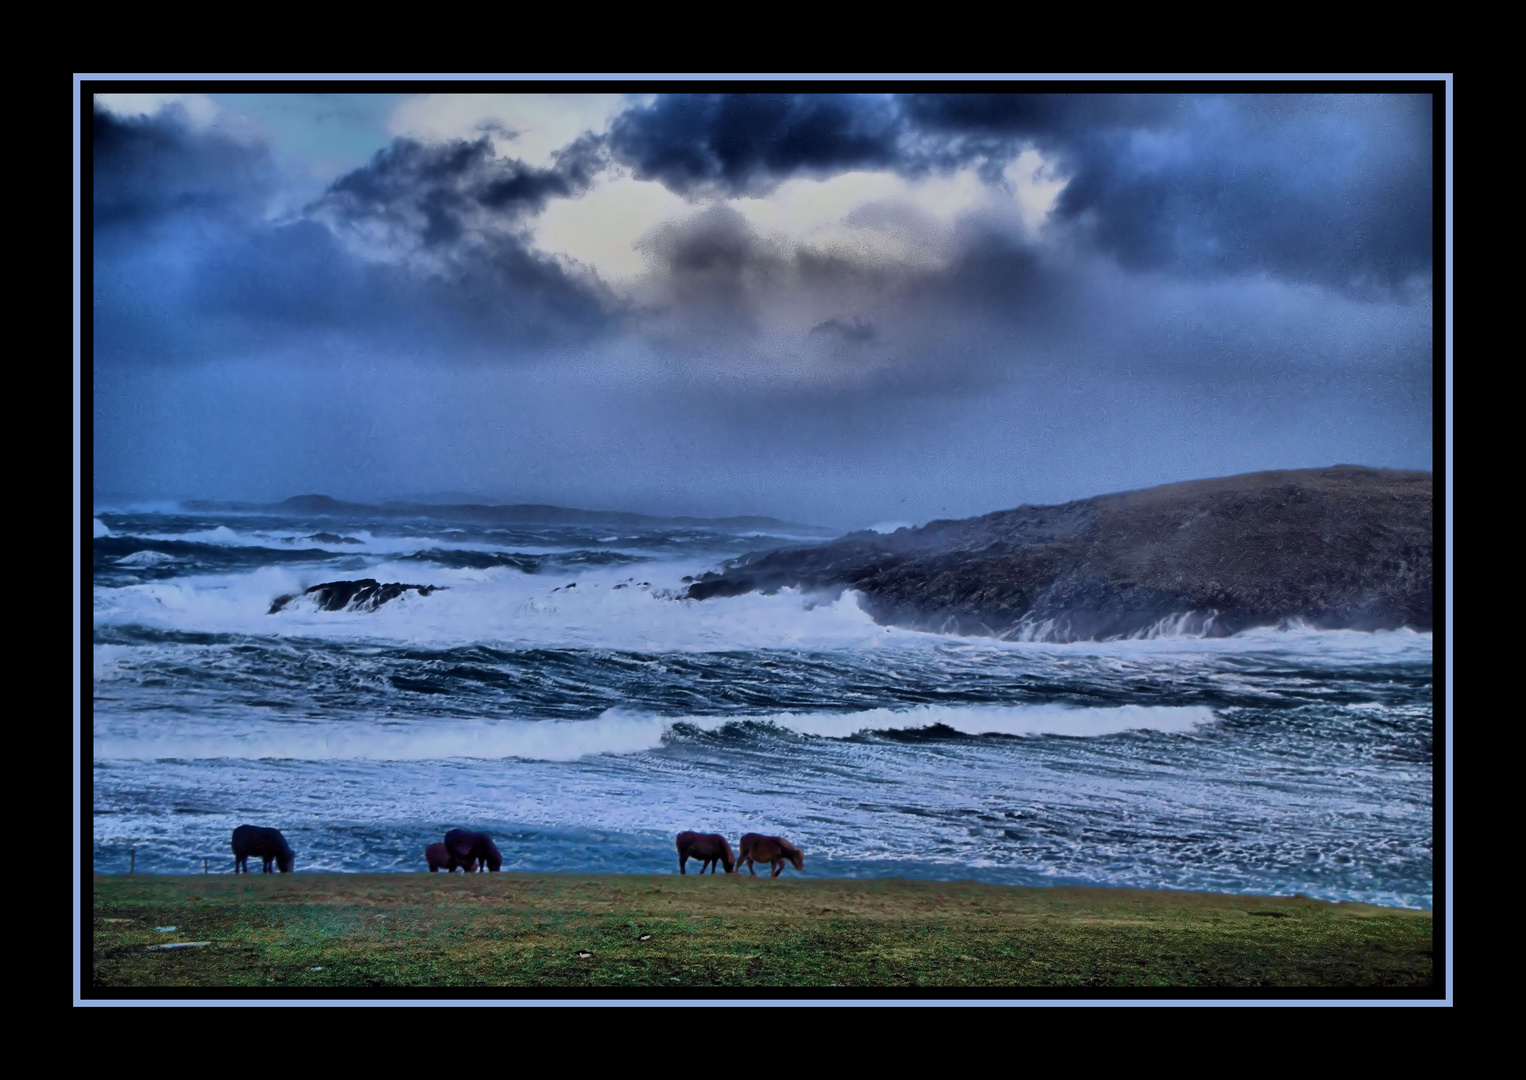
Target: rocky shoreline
[(1339, 548)]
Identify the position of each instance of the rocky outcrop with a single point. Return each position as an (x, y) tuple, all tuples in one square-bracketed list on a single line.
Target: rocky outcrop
[(367, 594), (1344, 547)]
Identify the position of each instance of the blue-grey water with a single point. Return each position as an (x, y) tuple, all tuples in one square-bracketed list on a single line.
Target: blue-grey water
[(558, 694)]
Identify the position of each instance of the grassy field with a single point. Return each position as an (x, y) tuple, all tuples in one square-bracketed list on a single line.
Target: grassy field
[(311, 931)]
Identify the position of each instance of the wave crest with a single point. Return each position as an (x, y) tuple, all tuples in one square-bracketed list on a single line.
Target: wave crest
[(617, 731)]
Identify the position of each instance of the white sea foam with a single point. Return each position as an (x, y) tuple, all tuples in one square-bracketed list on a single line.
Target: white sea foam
[(146, 558), (991, 720), (100, 529), (503, 606), (220, 535), (619, 732)]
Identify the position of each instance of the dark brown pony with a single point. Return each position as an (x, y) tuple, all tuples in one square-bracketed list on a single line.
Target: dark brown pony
[(468, 847), (268, 844), (709, 847), (769, 849), (440, 858)]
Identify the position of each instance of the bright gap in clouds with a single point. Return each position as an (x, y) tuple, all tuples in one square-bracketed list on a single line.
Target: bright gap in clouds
[(200, 110), (601, 227), (531, 127), (869, 217)]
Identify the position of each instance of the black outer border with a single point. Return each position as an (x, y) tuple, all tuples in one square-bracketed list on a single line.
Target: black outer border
[(1438, 89)]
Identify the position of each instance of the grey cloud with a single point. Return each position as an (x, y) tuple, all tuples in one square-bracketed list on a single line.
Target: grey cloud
[(1335, 191), (437, 192), (711, 270), (186, 265), (147, 169), (854, 329)]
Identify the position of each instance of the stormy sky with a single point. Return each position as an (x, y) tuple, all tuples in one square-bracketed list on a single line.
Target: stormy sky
[(842, 308)]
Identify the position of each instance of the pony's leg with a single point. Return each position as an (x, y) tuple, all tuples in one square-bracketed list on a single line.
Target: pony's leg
[(778, 868), (681, 860), (751, 869)]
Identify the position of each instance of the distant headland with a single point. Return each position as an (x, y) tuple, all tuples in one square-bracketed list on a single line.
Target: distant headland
[(1345, 547), (515, 514)]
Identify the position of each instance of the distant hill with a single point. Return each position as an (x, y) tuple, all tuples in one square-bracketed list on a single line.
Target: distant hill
[(518, 514), (1344, 547)]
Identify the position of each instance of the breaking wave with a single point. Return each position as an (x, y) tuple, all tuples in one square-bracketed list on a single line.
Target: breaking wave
[(619, 731)]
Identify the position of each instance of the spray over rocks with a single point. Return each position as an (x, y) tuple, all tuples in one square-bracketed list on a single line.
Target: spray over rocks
[(367, 594)]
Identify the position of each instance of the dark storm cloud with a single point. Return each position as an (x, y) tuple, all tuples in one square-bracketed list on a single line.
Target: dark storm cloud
[(440, 191), (188, 267), (1035, 116), (146, 169), (734, 143), (1330, 189), (1333, 189)]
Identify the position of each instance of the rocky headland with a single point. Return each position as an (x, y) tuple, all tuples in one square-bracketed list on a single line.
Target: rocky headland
[(1343, 547)]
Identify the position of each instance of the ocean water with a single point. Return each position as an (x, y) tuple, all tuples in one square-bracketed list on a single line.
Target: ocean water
[(557, 692)]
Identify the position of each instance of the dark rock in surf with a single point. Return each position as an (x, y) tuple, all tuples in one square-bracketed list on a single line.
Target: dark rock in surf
[(1345, 547), (366, 594), (333, 538)]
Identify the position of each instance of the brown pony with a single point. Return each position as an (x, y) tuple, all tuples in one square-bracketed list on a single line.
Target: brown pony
[(709, 847), (440, 858), (769, 849), (471, 847)]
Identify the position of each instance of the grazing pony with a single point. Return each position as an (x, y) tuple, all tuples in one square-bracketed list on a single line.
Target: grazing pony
[(268, 844), (440, 858), (468, 847), (770, 849), (711, 848)]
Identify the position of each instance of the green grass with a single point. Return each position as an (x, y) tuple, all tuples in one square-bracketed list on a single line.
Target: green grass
[(525, 930)]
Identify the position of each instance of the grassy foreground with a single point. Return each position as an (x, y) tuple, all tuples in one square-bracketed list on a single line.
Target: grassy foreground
[(526, 930)]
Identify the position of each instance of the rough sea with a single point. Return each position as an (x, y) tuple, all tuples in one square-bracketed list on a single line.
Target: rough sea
[(556, 693)]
